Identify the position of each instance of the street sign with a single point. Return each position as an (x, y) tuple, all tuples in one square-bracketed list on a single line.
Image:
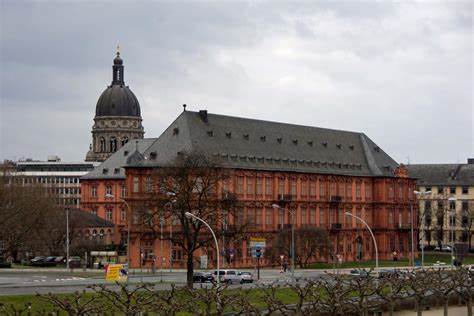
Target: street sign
[(116, 273), (257, 246)]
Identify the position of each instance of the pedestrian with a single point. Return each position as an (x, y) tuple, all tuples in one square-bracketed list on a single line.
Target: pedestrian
[(285, 266)]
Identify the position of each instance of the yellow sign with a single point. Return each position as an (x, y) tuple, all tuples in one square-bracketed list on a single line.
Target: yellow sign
[(116, 272)]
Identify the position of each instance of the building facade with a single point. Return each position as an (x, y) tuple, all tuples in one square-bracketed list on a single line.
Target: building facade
[(447, 213), (103, 189), (117, 117), (61, 179), (324, 172)]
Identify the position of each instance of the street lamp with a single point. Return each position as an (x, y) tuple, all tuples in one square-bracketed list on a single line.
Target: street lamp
[(67, 238), (452, 222), (129, 212), (171, 228), (419, 194), (190, 215), (292, 212), (373, 238)]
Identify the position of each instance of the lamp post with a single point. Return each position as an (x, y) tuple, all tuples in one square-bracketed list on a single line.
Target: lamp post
[(452, 222), (67, 238), (129, 213), (421, 194), (190, 215), (292, 213), (373, 238), (170, 203)]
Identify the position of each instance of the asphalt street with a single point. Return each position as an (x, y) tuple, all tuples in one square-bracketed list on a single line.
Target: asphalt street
[(47, 281)]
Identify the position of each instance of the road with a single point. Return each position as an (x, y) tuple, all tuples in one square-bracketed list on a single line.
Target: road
[(26, 281)]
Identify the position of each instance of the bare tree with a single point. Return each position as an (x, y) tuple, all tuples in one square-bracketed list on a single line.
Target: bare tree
[(310, 242), (193, 183)]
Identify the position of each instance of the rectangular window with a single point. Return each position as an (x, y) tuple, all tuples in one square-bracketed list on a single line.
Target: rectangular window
[(94, 211), (123, 191), (304, 188), (322, 188), (390, 191), (312, 188), (240, 185), (400, 191), (251, 216), (333, 189), (341, 190), (148, 184), (390, 217), (359, 214), (250, 187), (348, 219), (268, 217), (281, 187), (258, 217), (108, 215), (259, 186), (440, 205), (452, 190), (123, 215), (440, 190), (465, 206), (108, 190), (358, 190), (312, 216), (135, 184), (465, 190), (268, 186), (303, 216), (427, 205), (322, 217), (293, 187), (349, 190), (427, 189), (94, 191), (368, 191)]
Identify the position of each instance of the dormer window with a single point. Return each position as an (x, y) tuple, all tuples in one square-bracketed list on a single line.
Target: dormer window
[(246, 136), (228, 134), (263, 138), (325, 144), (279, 140)]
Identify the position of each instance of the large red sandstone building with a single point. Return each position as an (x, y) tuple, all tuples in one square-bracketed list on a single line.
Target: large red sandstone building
[(324, 172)]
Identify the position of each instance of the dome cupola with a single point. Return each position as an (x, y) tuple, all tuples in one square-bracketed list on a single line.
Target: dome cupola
[(118, 99)]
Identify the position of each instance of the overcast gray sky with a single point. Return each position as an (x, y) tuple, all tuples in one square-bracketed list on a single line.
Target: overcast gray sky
[(400, 72)]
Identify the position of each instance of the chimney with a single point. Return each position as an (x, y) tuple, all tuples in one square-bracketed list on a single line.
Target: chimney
[(470, 161), (203, 115)]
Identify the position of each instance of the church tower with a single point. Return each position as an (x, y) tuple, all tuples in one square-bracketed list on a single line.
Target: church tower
[(117, 117)]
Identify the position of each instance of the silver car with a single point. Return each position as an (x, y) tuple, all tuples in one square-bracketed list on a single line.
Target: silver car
[(245, 277)]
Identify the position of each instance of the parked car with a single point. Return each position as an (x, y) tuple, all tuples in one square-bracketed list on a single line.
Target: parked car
[(4, 263), (445, 248), (75, 262), (227, 276), (38, 261), (245, 277), (202, 277), (359, 273), (60, 260)]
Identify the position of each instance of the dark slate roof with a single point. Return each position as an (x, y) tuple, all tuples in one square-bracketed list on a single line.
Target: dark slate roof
[(263, 145), (442, 174), (117, 100), (86, 219), (112, 167)]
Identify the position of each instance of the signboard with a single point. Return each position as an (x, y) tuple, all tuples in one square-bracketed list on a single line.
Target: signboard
[(116, 273), (257, 246), (203, 262)]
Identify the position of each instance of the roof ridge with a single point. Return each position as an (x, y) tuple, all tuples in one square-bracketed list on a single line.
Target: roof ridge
[(276, 122)]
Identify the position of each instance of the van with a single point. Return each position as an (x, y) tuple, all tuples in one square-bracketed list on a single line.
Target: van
[(227, 276)]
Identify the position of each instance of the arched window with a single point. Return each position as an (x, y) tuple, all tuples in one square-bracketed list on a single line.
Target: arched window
[(113, 144), (102, 144), (101, 234), (124, 140), (94, 234)]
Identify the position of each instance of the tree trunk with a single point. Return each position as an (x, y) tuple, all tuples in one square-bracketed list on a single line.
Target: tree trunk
[(445, 308), (419, 309), (190, 270)]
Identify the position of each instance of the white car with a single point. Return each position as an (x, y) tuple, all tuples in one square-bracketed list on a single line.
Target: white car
[(227, 276), (245, 277)]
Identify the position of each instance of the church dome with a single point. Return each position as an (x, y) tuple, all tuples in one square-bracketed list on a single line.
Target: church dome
[(117, 99)]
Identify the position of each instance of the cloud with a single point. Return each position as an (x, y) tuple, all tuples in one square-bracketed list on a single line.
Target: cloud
[(400, 72)]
